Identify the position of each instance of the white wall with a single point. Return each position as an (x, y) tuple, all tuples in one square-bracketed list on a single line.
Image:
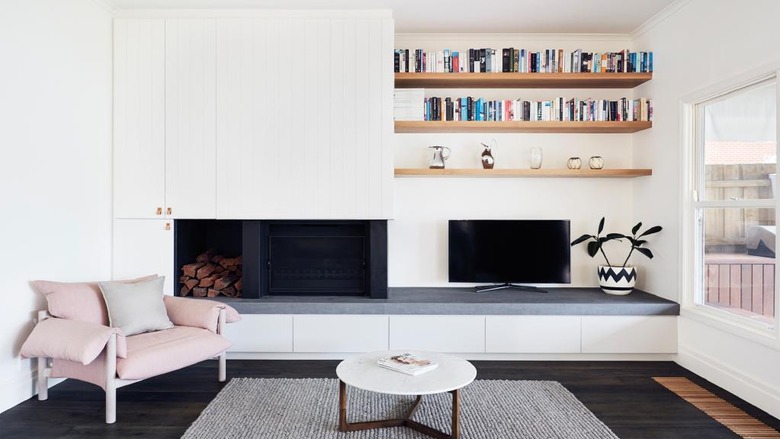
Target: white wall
[(55, 183), (55, 108), (701, 43), (418, 232)]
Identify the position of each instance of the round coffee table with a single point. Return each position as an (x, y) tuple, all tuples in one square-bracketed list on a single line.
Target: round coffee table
[(362, 372)]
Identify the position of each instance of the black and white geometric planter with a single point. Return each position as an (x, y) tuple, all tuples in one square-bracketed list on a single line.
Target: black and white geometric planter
[(617, 280)]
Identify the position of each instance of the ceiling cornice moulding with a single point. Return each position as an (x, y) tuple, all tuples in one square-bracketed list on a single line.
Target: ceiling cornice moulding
[(658, 18), (454, 38), (108, 5), (253, 13)]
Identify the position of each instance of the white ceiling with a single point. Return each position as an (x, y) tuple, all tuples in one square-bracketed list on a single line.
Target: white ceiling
[(461, 16)]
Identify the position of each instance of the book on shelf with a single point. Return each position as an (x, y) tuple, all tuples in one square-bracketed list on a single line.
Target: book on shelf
[(511, 60), (407, 363), (408, 104), (559, 109)]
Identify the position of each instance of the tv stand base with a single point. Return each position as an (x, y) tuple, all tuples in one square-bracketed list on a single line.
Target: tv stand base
[(508, 286)]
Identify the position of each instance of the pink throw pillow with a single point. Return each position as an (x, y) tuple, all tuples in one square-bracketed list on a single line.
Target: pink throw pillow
[(199, 313), (66, 340), (81, 301)]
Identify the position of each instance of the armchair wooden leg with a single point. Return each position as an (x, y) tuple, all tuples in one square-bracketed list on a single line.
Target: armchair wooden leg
[(111, 404), (43, 379), (223, 356), (43, 366), (111, 380), (222, 367)]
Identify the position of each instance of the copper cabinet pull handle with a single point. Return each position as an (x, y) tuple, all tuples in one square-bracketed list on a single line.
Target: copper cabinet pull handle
[(167, 226), (168, 211), (159, 211)]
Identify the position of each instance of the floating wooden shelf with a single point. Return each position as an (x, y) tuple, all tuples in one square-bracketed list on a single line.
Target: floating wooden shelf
[(538, 173), (404, 126), (520, 80)]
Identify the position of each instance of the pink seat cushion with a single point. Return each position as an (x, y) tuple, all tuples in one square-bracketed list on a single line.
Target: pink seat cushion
[(155, 353)]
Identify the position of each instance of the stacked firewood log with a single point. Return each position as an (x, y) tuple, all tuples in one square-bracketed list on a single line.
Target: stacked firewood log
[(211, 275)]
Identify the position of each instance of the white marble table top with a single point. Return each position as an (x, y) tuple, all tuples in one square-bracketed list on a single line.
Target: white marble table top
[(363, 372)]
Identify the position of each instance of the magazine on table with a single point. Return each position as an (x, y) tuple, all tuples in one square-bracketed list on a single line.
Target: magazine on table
[(408, 363)]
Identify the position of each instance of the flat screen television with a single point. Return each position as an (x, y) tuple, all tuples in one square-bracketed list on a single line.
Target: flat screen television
[(509, 252)]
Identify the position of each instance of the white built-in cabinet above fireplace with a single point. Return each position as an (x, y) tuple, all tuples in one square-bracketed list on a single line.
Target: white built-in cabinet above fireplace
[(263, 117), (139, 118), (164, 119), (304, 118)]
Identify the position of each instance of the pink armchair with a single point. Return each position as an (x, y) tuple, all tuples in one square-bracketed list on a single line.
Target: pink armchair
[(73, 340)]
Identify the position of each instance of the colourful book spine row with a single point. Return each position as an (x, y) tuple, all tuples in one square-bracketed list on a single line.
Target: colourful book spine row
[(511, 60), (558, 109)]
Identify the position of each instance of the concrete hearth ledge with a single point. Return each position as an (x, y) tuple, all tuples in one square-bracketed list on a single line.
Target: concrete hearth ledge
[(464, 301)]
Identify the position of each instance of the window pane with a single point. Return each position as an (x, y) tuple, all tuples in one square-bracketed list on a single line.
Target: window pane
[(740, 144), (738, 273)]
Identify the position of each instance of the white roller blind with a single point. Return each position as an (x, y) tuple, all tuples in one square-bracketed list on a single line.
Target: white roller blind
[(749, 116)]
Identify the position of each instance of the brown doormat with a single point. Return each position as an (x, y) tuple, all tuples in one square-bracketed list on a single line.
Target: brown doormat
[(733, 418)]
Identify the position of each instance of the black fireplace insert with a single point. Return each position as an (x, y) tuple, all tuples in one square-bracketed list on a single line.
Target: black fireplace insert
[(295, 257)]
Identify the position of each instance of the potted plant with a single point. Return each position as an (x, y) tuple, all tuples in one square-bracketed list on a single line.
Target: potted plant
[(617, 279)]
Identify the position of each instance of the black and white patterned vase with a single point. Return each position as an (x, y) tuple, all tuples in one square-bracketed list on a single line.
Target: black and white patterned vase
[(618, 281)]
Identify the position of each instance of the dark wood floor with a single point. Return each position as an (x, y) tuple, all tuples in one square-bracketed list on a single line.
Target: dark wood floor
[(621, 394)]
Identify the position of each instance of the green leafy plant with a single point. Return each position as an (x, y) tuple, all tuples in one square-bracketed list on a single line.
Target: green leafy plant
[(636, 239)]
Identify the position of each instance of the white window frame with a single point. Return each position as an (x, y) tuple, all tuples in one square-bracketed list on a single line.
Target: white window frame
[(691, 253)]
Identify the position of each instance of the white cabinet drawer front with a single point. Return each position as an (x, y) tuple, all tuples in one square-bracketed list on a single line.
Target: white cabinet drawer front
[(438, 333), (629, 334), (533, 334), (339, 333), (261, 333)]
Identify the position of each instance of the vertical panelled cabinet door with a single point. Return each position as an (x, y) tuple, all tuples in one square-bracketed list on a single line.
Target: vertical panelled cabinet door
[(164, 118), (143, 247), (139, 118), (190, 118), (304, 133)]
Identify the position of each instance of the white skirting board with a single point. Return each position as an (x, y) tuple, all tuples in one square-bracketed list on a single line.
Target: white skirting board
[(755, 392), (20, 388), (468, 356)]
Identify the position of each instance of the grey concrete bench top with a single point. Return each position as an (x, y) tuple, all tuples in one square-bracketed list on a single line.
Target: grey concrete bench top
[(464, 301)]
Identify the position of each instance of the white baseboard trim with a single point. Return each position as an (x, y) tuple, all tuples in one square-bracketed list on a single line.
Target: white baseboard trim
[(468, 356), (756, 392), (20, 388), (16, 389)]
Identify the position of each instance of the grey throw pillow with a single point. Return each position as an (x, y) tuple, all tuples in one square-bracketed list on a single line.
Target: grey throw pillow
[(136, 308)]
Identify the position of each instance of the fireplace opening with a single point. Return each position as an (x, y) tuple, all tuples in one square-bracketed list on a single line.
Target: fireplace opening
[(283, 257), (319, 258), (208, 258)]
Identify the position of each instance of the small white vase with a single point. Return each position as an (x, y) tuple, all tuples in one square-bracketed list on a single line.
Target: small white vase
[(618, 281), (536, 157)]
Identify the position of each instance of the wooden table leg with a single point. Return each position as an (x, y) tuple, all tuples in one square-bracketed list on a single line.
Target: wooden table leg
[(345, 425), (342, 406), (456, 414), (405, 421)]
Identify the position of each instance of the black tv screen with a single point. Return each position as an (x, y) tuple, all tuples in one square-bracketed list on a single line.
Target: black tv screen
[(510, 251)]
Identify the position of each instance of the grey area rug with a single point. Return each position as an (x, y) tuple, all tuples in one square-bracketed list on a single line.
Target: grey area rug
[(279, 408)]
